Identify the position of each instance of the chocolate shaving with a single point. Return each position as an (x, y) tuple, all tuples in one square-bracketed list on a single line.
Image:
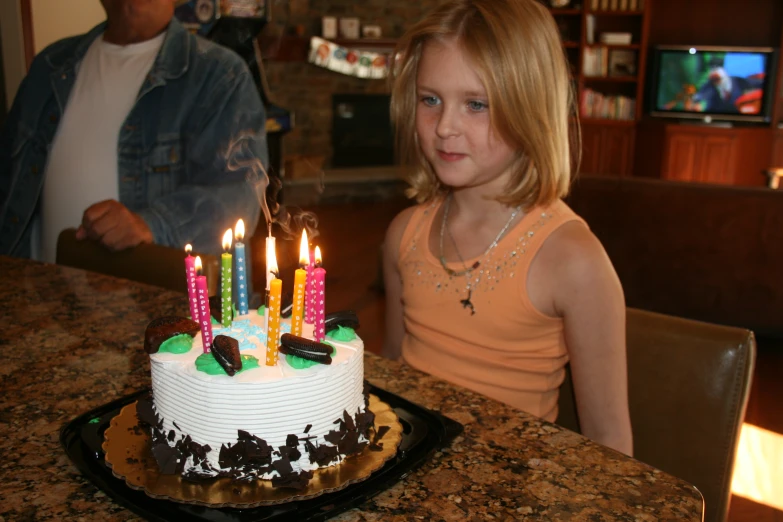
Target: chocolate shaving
[(334, 436), (145, 412), (168, 458), (349, 425), (323, 455), (307, 428), (296, 481), (283, 466)]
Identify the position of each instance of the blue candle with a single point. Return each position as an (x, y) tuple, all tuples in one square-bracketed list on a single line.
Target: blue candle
[(240, 267)]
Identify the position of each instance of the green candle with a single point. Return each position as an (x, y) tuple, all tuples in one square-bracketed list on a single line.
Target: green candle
[(225, 280)]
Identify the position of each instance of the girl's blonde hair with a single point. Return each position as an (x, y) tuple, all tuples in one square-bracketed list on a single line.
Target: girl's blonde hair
[(520, 59)]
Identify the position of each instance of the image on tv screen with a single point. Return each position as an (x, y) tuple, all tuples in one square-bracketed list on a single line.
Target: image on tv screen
[(719, 82)]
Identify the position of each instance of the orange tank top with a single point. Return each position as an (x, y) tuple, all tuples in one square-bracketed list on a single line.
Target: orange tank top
[(507, 350)]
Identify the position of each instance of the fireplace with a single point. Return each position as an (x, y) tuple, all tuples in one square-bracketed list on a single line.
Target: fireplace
[(361, 130)]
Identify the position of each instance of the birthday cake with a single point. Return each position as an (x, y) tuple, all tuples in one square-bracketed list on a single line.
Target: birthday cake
[(226, 413)]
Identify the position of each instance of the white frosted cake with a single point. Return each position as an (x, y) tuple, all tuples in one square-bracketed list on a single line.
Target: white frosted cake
[(272, 422)]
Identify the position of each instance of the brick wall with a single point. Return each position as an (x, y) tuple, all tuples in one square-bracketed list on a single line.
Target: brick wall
[(306, 89)]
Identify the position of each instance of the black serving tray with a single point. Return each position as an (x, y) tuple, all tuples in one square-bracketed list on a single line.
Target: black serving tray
[(424, 431)]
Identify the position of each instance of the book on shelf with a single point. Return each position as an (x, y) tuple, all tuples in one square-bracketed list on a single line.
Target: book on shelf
[(595, 61), (594, 105)]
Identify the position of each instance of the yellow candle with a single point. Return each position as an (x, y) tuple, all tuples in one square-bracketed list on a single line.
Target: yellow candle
[(273, 312), (300, 280)]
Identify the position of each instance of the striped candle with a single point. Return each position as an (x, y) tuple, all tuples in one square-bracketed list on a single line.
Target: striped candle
[(225, 281), (273, 315), (241, 268), (205, 321), (309, 302), (190, 278), (300, 279), (319, 295)]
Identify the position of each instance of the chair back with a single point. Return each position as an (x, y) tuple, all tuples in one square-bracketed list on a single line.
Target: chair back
[(688, 386), (147, 263)]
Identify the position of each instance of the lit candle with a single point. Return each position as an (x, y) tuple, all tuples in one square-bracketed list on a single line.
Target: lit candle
[(273, 309), (239, 252), (319, 291), (190, 278), (225, 281), (309, 302), (300, 279), (270, 274), (205, 321)]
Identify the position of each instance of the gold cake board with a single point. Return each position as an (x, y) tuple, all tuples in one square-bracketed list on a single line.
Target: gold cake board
[(128, 454)]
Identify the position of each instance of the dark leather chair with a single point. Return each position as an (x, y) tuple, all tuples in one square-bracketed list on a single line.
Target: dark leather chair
[(688, 386), (156, 265)]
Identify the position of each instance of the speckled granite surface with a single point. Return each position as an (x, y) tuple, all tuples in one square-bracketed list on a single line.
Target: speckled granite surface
[(72, 341)]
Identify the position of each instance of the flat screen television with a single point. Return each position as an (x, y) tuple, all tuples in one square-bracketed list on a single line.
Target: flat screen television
[(713, 83)]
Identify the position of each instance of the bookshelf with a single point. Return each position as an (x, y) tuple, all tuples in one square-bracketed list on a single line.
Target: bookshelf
[(609, 77)]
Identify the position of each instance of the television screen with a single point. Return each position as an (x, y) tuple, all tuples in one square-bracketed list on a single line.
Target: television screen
[(724, 83)]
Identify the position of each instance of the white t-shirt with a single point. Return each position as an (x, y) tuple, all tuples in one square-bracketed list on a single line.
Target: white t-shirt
[(82, 166)]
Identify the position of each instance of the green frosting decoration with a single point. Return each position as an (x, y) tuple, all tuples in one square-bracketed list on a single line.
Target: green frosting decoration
[(261, 309), (207, 363), (94, 420), (297, 363), (343, 333), (214, 321), (178, 344)]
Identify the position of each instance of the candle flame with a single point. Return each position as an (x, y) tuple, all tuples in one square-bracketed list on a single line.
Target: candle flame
[(198, 265), (318, 259), (271, 258), (239, 230), (188, 249), (227, 240), (304, 251)]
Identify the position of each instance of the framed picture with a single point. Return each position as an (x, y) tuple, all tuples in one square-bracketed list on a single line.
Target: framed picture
[(622, 62)]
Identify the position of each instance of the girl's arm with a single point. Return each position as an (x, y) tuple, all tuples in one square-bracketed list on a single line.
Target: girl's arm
[(586, 292), (395, 328)]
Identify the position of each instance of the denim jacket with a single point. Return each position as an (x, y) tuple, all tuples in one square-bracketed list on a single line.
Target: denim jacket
[(197, 99)]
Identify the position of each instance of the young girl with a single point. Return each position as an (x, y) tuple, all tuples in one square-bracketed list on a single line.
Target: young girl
[(492, 282)]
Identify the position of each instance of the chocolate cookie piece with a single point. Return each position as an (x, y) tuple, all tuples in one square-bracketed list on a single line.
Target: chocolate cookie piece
[(344, 318), (164, 328), (302, 343), (322, 358), (225, 350)]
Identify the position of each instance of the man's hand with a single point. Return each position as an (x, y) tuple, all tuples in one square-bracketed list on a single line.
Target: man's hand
[(116, 227)]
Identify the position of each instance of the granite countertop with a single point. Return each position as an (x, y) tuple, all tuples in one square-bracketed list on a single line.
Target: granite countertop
[(72, 341)]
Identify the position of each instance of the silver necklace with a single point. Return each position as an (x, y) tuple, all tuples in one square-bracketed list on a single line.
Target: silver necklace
[(467, 271)]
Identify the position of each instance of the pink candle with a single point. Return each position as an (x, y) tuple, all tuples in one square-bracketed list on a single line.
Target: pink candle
[(319, 296), (190, 278), (309, 302), (205, 321)]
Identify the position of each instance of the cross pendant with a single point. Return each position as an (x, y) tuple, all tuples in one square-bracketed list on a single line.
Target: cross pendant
[(466, 303)]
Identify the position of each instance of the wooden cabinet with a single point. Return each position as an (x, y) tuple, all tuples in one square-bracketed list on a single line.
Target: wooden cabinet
[(704, 154), (698, 157), (607, 149)]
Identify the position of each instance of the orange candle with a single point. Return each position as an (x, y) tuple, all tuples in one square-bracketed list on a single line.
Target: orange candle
[(273, 309), (273, 333), (300, 279)]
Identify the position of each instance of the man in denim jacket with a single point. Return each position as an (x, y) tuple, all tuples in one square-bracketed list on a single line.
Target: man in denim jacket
[(176, 183)]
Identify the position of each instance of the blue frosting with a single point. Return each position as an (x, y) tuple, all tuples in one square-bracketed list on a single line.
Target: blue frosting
[(243, 329)]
